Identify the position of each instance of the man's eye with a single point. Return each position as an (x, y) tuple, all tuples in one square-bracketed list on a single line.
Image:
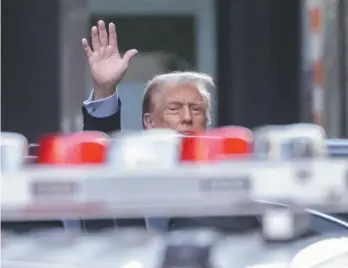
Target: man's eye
[(173, 108), (197, 109)]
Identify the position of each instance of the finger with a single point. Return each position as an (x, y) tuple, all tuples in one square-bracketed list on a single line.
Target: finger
[(129, 55), (113, 37), (86, 48), (95, 39), (103, 35)]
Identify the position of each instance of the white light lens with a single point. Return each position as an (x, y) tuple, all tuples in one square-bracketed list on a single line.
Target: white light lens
[(159, 147), (14, 149), (290, 142)]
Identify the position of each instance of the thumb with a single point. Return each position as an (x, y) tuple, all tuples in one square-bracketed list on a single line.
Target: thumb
[(129, 55)]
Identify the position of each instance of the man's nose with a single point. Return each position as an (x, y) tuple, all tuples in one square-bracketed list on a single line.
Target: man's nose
[(186, 114)]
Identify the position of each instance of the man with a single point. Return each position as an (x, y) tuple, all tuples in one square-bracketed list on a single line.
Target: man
[(178, 100)]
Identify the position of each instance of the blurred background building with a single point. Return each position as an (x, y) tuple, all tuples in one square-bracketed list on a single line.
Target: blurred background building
[(274, 61)]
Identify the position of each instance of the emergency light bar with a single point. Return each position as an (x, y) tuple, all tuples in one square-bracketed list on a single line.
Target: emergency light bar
[(230, 188)]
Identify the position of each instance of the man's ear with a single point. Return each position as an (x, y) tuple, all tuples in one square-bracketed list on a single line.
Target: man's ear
[(148, 121)]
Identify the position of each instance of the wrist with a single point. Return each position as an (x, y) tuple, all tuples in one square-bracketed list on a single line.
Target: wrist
[(102, 92)]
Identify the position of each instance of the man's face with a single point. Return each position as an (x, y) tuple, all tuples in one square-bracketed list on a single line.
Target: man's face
[(179, 107)]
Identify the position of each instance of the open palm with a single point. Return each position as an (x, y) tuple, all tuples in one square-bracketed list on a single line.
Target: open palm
[(105, 62)]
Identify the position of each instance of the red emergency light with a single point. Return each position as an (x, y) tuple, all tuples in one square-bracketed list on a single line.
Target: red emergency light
[(53, 149), (234, 141), (197, 148), (88, 147), (77, 148), (218, 144)]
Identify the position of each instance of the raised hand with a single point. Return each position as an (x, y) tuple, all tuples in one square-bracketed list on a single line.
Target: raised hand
[(105, 62)]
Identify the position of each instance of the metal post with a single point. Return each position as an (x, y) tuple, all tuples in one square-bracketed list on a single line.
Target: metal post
[(343, 46), (73, 86)]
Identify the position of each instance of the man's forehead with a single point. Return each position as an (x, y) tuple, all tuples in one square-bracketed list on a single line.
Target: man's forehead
[(178, 100), (180, 92)]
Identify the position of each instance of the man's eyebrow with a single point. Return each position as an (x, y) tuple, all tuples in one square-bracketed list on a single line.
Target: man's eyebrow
[(178, 101)]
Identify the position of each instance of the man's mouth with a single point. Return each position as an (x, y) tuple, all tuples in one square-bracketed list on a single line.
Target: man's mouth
[(187, 133)]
